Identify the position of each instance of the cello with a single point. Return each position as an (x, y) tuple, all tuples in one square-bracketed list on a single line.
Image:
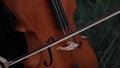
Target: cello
[(44, 21)]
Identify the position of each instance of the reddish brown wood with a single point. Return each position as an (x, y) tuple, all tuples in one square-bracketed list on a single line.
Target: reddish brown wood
[(36, 20)]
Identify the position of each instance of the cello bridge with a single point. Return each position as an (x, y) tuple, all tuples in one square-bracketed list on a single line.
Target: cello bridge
[(71, 46)]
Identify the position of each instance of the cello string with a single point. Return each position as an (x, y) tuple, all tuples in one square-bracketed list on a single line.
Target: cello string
[(66, 24), (62, 14), (58, 16), (56, 13), (64, 18), (88, 26)]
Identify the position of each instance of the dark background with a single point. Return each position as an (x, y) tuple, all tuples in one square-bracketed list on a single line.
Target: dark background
[(104, 37)]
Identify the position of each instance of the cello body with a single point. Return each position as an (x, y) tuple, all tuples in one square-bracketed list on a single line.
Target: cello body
[(35, 18)]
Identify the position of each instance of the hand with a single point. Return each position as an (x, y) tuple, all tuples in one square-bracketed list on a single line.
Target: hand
[(3, 63)]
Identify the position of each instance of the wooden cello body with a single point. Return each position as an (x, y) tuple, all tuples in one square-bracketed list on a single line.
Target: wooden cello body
[(37, 20)]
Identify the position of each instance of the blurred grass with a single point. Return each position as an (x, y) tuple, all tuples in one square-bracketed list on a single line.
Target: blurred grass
[(105, 37)]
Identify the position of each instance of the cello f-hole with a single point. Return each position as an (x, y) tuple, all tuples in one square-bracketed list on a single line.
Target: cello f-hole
[(50, 53)]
